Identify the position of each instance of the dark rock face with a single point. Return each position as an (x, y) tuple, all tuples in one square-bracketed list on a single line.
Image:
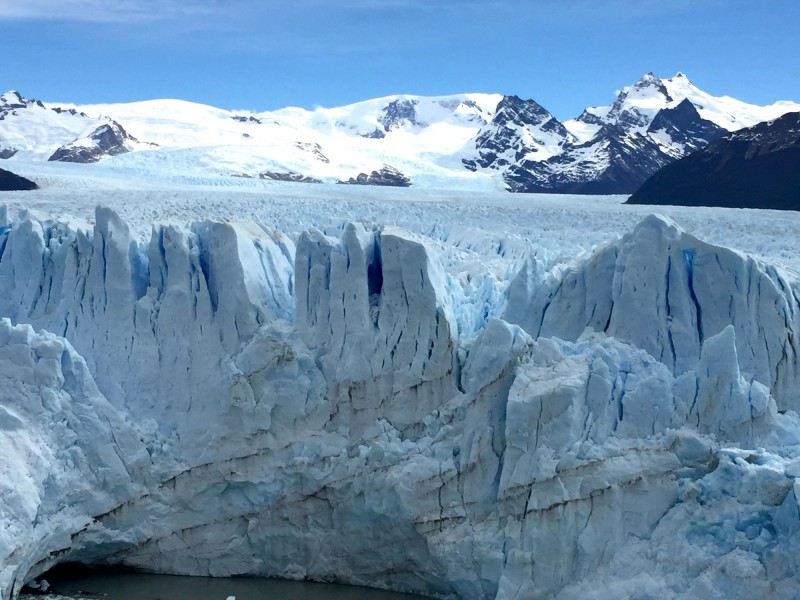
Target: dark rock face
[(399, 113), (625, 159), (11, 182), (756, 167), (622, 160), (375, 134), (618, 159), (386, 176), (512, 133), (243, 119), (288, 176), (314, 149), (574, 172), (71, 111), (107, 140), (686, 127), (7, 153)]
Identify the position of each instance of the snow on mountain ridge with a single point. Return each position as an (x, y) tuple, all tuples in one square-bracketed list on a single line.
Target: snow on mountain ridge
[(636, 105), (650, 124), (439, 140), (254, 142), (519, 130), (365, 115), (38, 129)]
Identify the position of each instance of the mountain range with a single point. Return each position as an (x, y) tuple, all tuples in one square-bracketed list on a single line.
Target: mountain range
[(458, 141), (755, 167)]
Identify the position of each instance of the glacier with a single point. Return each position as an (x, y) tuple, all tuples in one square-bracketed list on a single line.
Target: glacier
[(348, 404)]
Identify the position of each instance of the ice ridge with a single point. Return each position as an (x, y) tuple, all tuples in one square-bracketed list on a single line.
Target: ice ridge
[(219, 401)]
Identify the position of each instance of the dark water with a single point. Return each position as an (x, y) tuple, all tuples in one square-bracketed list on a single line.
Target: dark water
[(137, 586)]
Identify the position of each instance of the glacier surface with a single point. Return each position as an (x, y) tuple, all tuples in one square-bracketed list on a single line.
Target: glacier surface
[(432, 411)]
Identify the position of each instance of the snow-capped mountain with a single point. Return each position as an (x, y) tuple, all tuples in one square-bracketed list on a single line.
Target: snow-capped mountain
[(109, 139), (755, 167), (651, 124), (520, 129), (461, 141), (417, 136), (636, 106), (31, 129)]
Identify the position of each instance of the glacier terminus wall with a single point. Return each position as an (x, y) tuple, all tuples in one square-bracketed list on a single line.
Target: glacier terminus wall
[(226, 400)]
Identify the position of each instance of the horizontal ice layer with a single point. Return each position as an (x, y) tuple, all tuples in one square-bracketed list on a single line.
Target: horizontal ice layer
[(353, 410)]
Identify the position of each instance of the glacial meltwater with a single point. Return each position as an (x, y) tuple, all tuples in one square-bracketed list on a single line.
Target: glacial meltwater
[(139, 586)]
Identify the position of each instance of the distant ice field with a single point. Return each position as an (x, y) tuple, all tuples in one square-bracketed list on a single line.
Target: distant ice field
[(494, 225)]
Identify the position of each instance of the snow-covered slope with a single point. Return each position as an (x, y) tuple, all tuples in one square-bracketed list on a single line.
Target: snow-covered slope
[(477, 141), (651, 124), (31, 130), (460, 413), (636, 106), (416, 135), (520, 129), (29, 127)]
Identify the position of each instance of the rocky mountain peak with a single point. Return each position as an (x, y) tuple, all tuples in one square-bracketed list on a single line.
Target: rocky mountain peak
[(109, 139), (515, 110), (648, 85), (520, 128), (647, 80), (686, 129), (12, 97)]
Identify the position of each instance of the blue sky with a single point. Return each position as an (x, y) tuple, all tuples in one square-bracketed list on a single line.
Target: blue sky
[(259, 55)]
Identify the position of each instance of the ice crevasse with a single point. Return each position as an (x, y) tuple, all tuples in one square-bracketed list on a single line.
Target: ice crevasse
[(223, 400)]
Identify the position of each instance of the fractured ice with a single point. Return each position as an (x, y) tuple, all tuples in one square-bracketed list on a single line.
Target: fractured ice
[(219, 401)]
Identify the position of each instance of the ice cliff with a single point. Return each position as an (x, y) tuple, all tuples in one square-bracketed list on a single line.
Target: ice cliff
[(223, 400)]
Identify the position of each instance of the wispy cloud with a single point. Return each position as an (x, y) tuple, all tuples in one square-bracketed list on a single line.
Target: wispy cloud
[(113, 11), (106, 11)]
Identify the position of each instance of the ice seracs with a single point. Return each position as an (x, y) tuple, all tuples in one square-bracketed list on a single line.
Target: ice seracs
[(374, 307), (217, 400), (68, 456), (667, 292)]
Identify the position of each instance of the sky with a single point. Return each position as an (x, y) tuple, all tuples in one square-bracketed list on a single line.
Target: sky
[(267, 54)]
